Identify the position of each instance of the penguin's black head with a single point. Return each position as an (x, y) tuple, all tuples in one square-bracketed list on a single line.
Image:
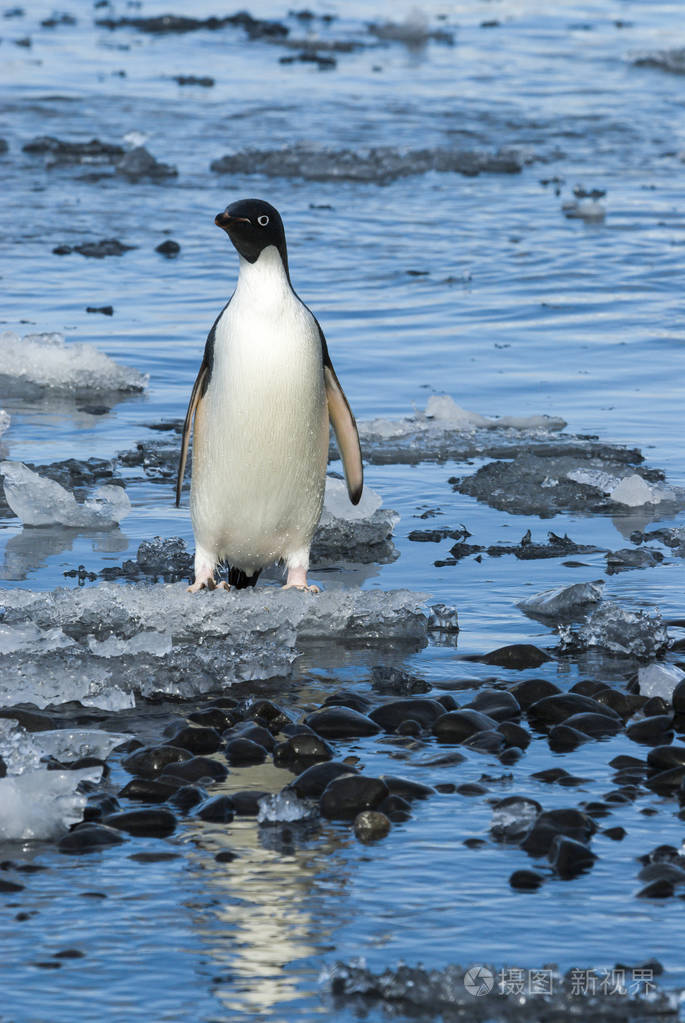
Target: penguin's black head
[(253, 225)]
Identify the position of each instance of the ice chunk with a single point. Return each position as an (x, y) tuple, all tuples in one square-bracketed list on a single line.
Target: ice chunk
[(659, 680), (632, 490), (584, 209), (563, 600), (361, 533), (150, 639), (512, 817), (4, 421), (667, 60), (282, 807), (39, 501), (623, 633), (45, 364)]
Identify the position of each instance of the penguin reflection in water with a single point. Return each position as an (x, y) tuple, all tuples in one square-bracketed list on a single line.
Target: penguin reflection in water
[(261, 405)]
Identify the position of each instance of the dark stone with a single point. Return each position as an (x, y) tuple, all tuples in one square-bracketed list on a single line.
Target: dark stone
[(516, 822), (390, 715), (85, 838), (526, 880), (552, 710), (597, 726), (344, 698), (341, 723), (679, 697), (139, 163), (514, 735), (100, 804), (312, 782), (496, 703), (302, 748), (472, 788), (246, 801), (195, 738), (186, 797), (31, 719), (148, 790), (244, 751), (562, 739), (219, 809), (106, 310), (517, 656), (651, 731), (194, 769), (616, 834), (624, 704), (143, 823), (457, 725), (662, 758), (510, 755), (409, 728), (662, 871), (254, 732), (666, 782), (10, 886), (266, 713), (657, 890), (400, 683), (550, 823), (407, 788), (101, 249), (531, 690), (226, 856), (150, 761), (448, 701), (345, 797), (371, 825), (211, 717), (655, 706), (487, 741), (570, 857), (204, 80), (396, 808)]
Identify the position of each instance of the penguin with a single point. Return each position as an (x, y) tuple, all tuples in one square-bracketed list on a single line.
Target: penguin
[(260, 409)]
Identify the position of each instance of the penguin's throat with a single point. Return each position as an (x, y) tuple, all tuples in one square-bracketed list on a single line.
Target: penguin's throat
[(264, 282)]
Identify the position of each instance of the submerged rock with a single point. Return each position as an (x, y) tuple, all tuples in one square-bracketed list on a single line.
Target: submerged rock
[(139, 163)]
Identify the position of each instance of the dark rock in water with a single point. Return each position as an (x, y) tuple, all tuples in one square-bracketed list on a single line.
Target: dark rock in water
[(211, 717), (526, 880), (407, 788), (106, 247), (654, 706), (616, 834), (510, 754), (3, 768), (90, 152), (220, 809), (226, 856), (371, 825), (266, 714), (307, 747), (195, 738), (570, 857), (679, 698), (657, 890), (423, 710), (341, 723), (62, 250), (85, 838), (472, 788), (204, 80), (598, 726), (148, 790), (194, 769), (139, 163), (143, 823), (652, 731), (11, 887), (186, 797), (323, 62), (550, 823), (624, 704), (106, 310), (246, 801), (347, 698), (166, 24), (244, 751), (169, 248), (514, 735), (312, 782), (666, 60), (533, 689), (563, 739), (252, 731), (30, 718), (496, 703), (662, 871), (167, 558), (487, 741), (409, 727), (457, 725), (345, 797), (629, 557), (398, 682), (516, 656), (100, 804), (552, 710), (4, 146), (150, 761), (661, 758), (396, 808), (666, 782)]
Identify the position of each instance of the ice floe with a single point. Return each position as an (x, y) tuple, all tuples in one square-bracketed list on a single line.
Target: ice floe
[(361, 533), (103, 644), (659, 680), (563, 601), (4, 421), (45, 364), (39, 501), (614, 630)]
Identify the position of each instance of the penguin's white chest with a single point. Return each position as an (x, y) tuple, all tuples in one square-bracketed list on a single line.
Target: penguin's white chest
[(261, 433)]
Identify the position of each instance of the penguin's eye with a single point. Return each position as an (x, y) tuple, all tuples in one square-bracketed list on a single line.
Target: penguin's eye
[(263, 220)]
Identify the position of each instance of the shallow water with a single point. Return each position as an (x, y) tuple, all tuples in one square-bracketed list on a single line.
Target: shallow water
[(516, 310)]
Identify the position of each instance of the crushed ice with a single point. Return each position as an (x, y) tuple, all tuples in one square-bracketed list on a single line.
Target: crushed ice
[(617, 631), (39, 501), (283, 807)]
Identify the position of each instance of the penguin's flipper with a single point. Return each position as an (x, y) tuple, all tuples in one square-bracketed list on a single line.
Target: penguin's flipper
[(345, 432), (198, 390)]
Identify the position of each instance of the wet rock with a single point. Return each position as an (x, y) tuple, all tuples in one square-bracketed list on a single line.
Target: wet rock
[(168, 248), (195, 738), (598, 726), (85, 838), (143, 823), (533, 689), (322, 61), (64, 152), (569, 857), (551, 823), (496, 703), (516, 656), (407, 788), (32, 719), (101, 249), (150, 761), (563, 739), (666, 782), (666, 60), (139, 163), (371, 825), (652, 731), (314, 780), (168, 24), (106, 310), (663, 758), (166, 558), (246, 801), (628, 557), (306, 747), (194, 769), (220, 809), (396, 808), (679, 698), (657, 890), (616, 834), (100, 804), (390, 715), (512, 818), (346, 796), (472, 788), (347, 698), (458, 725), (526, 880), (266, 714), (514, 735), (10, 887), (148, 790), (552, 710), (487, 741), (203, 80), (244, 751), (398, 682), (186, 797), (624, 704), (211, 717), (341, 723)]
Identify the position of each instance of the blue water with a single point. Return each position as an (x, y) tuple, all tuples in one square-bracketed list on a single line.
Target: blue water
[(542, 315)]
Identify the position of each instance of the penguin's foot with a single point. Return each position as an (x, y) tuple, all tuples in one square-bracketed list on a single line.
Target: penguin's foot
[(297, 580), (208, 584)]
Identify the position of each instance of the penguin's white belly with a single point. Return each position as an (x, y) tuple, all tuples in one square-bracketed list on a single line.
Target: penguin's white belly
[(261, 437)]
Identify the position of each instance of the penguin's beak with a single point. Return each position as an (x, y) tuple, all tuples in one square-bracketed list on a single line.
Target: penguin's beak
[(225, 221)]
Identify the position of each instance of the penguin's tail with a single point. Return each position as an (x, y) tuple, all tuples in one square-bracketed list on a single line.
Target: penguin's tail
[(240, 580)]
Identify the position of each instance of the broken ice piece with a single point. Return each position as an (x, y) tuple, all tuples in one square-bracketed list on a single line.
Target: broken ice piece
[(4, 421), (563, 600), (619, 632), (443, 618), (361, 533), (282, 807), (659, 680), (39, 501), (44, 364)]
